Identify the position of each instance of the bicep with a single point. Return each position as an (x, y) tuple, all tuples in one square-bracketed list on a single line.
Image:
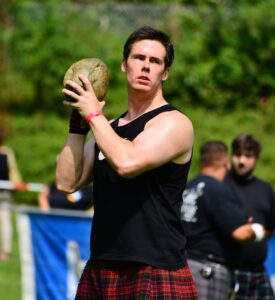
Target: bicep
[(167, 138)]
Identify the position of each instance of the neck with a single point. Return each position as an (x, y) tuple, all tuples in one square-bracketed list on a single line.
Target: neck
[(217, 173), (140, 103), (242, 178)]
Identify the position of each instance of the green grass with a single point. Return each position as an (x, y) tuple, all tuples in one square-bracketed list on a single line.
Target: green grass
[(10, 275)]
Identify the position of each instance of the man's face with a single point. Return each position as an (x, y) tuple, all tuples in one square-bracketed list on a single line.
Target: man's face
[(243, 164), (145, 67)]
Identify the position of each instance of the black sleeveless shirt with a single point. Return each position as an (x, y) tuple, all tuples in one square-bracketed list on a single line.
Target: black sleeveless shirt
[(138, 219)]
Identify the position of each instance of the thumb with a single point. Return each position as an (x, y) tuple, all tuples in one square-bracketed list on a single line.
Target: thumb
[(102, 103)]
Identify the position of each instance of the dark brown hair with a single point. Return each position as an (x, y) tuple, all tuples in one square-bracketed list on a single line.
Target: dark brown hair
[(149, 33), (246, 143), (212, 153)]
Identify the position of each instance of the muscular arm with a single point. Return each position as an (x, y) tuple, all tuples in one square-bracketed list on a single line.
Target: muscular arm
[(167, 137), (75, 163)]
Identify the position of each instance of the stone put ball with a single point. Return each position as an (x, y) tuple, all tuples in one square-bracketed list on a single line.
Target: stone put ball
[(92, 68)]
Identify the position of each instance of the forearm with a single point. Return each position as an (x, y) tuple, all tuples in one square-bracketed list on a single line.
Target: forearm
[(243, 234), (115, 149), (248, 233), (69, 167)]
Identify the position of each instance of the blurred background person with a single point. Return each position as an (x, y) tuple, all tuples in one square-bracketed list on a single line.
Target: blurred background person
[(8, 171), (50, 197), (215, 225), (258, 200)]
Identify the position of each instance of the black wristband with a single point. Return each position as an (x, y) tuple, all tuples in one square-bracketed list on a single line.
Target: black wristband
[(78, 124)]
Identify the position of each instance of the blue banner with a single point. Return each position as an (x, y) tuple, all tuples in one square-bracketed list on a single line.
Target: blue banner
[(54, 248), (270, 261)]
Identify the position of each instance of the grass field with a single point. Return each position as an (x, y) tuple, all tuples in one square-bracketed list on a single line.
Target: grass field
[(10, 276)]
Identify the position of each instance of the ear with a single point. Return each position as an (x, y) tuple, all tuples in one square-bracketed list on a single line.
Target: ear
[(123, 66), (165, 74)]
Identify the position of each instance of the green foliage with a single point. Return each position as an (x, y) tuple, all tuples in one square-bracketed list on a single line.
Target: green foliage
[(223, 49), (46, 39), (224, 55)]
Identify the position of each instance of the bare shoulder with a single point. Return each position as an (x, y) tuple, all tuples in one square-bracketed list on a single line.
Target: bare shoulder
[(173, 120), (182, 119), (177, 128)]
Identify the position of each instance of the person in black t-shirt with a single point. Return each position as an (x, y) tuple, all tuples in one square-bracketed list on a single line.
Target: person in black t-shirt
[(215, 225), (258, 200)]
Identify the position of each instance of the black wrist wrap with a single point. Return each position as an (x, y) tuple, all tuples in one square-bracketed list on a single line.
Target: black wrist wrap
[(78, 124)]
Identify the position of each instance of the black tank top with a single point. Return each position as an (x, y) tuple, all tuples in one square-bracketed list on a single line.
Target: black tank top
[(138, 219)]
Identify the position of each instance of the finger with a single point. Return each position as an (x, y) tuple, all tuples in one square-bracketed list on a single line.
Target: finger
[(86, 83), (69, 103), (71, 94), (71, 85)]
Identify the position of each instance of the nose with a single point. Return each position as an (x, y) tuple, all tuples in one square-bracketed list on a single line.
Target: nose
[(242, 158), (146, 65)]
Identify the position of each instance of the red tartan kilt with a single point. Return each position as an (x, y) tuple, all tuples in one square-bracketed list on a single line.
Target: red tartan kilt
[(128, 280)]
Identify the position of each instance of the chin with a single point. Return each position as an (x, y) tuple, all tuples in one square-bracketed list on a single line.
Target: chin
[(144, 88), (243, 174)]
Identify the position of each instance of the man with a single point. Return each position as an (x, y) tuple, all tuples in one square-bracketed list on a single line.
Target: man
[(139, 165), (215, 225), (258, 200)]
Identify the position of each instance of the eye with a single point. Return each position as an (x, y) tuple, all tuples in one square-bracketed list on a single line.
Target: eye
[(155, 60), (140, 57)]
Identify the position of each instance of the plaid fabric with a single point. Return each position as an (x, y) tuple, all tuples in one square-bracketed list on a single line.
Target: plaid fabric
[(253, 286), (212, 280), (127, 280)]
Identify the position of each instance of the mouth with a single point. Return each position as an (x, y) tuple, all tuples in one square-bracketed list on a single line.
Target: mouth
[(143, 79), (241, 166)]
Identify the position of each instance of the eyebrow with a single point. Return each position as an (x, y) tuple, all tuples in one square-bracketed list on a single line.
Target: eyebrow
[(151, 57)]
